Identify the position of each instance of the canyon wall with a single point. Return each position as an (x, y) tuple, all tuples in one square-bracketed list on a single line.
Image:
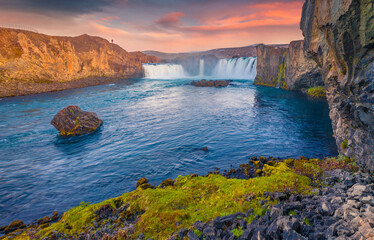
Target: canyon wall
[(339, 37), (286, 67), (29, 59), (270, 65)]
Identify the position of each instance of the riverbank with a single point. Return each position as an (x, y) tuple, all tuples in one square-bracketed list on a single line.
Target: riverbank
[(13, 88), (302, 196)]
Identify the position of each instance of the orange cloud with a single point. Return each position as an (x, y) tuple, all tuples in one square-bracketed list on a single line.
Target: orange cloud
[(170, 19)]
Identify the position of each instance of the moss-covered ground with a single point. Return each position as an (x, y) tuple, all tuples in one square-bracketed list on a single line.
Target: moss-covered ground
[(317, 92), (162, 211)]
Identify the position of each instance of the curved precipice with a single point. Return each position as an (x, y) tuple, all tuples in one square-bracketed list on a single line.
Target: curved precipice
[(339, 37)]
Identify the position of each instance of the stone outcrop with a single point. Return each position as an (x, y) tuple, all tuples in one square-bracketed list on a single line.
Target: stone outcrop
[(339, 37), (28, 57), (270, 65), (73, 121), (300, 71), (211, 83), (344, 209), (286, 67)]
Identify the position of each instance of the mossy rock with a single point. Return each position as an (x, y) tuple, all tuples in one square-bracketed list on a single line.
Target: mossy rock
[(146, 186), (166, 183), (141, 182), (257, 164), (317, 92), (289, 161), (13, 226), (258, 172), (262, 159)]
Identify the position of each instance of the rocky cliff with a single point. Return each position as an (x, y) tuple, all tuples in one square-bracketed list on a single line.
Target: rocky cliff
[(339, 37), (286, 67), (30, 60), (300, 71), (270, 65)]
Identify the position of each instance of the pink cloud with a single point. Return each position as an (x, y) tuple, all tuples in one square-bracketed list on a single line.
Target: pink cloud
[(170, 20)]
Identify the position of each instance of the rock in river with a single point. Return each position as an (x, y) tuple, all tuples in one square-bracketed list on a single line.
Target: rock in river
[(211, 83), (73, 121)]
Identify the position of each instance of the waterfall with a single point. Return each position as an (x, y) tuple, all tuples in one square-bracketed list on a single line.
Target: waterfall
[(201, 67), (233, 68), (236, 68), (164, 71)]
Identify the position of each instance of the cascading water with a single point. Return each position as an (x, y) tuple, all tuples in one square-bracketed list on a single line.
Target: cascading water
[(164, 71), (236, 68), (233, 68), (201, 67)]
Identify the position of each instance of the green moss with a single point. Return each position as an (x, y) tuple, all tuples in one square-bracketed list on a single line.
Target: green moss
[(237, 231), (188, 200), (317, 92), (307, 222), (344, 144), (292, 213)]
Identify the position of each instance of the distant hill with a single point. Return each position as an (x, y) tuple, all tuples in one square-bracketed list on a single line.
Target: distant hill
[(32, 62), (247, 51)]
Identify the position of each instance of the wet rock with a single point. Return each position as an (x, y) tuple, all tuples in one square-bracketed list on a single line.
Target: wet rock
[(44, 220), (13, 226), (167, 182), (73, 121), (141, 182), (211, 83)]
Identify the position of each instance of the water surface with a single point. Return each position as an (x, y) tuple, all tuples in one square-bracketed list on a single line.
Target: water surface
[(151, 129)]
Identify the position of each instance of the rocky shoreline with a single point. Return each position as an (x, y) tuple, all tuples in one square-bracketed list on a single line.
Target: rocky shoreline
[(340, 205), (20, 88)]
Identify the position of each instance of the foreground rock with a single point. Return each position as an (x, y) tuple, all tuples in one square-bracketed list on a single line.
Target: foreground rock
[(73, 121), (342, 210), (211, 83), (339, 37)]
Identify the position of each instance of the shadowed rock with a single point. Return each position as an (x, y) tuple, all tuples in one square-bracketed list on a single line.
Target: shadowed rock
[(73, 121)]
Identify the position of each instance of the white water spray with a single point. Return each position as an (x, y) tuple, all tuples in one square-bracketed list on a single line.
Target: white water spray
[(164, 71), (236, 68), (201, 68)]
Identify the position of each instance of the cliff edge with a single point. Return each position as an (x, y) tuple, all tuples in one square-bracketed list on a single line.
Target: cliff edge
[(339, 37), (32, 62), (286, 67)]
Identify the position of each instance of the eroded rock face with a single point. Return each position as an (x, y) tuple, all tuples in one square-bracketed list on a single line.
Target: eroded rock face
[(339, 37), (286, 67), (73, 121), (32, 57), (300, 71), (269, 65)]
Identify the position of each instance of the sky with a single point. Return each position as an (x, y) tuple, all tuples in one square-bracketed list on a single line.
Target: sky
[(161, 25)]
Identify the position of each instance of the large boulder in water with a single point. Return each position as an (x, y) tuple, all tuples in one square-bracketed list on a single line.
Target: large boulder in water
[(211, 83), (73, 121)]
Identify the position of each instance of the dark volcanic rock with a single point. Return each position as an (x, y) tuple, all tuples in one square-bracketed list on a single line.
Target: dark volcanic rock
[(286, 67), (73, 121), (335, 212), (211, 83), (339, 37)]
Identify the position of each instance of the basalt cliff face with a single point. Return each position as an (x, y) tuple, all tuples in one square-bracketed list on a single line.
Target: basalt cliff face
[(32, 62), (339, 37), (286, 67), (270, 65), (300, 71)]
